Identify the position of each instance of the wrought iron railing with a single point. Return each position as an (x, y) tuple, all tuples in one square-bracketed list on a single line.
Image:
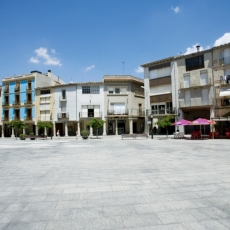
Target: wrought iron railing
[(90, 114), (63, 115)]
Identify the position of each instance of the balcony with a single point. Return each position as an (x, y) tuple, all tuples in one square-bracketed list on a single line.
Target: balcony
[(90, 114), (118, 112), (5, 104), (6, 89), (62, 98), (44, 118), (63, 115), (194, 102), (5, 119), (16, 103), (139, 93), (137, 112), (195, 84), (162, 112), (28, 118), (28, 89), (28, 103)]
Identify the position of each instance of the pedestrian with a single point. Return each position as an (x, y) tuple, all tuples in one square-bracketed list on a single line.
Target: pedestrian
[(76, 135), (58, 134)]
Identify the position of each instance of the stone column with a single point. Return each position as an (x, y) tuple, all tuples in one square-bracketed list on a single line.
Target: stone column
[(45, 131), (12, 135), (116, 128), (54, 129), (66, 129), (78, 128), (130, 126), (91, 131), (36, 130), (3, 130), (104, 129)]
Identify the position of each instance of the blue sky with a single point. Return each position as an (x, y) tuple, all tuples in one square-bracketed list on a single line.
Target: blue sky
[(83, 40)]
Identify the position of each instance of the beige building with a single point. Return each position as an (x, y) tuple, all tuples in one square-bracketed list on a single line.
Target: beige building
[(123, 104), (221, 72), (160, 94)]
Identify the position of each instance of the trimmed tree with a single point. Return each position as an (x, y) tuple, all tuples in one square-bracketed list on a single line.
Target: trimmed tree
[(165, 122), (96, 124), (17, 125), (44, 124)]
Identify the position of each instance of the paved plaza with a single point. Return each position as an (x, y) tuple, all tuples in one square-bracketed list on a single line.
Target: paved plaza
[(109, 183)]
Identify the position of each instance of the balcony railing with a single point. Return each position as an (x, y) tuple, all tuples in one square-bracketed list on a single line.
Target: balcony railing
[(62, 98), (28, 103), (48, 118), (63, 115), (90, 114), (137, 112), (195, 102), (197, 83), (16, 103), (166, 111), (5, 104), (28, 88), (5, 119), (28, 118), (118, 112)]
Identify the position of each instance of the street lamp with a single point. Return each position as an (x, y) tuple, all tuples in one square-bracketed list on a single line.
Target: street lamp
[(151, 116)]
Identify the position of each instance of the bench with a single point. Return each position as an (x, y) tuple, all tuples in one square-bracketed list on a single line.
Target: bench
[(128, 136), (134, 136), (141, 135)]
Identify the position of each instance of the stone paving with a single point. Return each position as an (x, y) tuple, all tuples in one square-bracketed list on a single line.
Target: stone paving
[(109, 183)]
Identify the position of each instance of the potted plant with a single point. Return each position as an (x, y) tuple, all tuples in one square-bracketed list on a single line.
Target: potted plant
[(84, 134), (32, 137), (22, 136)]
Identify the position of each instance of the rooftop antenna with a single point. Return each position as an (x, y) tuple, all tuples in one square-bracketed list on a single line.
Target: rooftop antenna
[(123, 63)]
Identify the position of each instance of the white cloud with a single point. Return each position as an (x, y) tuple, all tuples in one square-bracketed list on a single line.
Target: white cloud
[(53, 51), (176, 9), (90, 67), (222, 40), (139, 70), (193, 49), (42, 55), (34, 60)]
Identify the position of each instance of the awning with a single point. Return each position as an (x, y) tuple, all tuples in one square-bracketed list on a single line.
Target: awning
[(224, 92)]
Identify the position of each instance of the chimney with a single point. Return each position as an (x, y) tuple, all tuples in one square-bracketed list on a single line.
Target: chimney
[(198, 48)]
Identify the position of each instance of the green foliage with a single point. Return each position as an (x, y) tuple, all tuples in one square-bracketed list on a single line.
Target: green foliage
[(31, 134), (44, 124), (17, 125), (22, 136), (96, 123), (84, 133), (165, 122)]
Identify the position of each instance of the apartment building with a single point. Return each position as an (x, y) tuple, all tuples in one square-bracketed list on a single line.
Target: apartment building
[(90, 104), (123, 104), (221, 72), (19, 99), (160, 87), (195, 86)]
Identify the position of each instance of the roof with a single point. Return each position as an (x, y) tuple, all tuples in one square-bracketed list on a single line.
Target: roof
[(124, 78), (148, 64)]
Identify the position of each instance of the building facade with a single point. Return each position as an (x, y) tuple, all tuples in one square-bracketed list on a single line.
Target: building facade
[(123, 104), (160, 93), (19, 99)]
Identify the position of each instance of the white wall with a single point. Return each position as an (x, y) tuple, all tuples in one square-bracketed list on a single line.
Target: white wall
[(90, 99), (70, 103)]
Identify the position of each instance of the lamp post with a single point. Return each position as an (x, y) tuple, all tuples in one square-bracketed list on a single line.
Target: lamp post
[(151, 116)]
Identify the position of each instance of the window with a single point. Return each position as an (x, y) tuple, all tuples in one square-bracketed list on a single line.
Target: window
[(90, 89), (95, 89), (63, 94), (45, 91), (117, 90), (85, 89), (194, 63), (44, 100)]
